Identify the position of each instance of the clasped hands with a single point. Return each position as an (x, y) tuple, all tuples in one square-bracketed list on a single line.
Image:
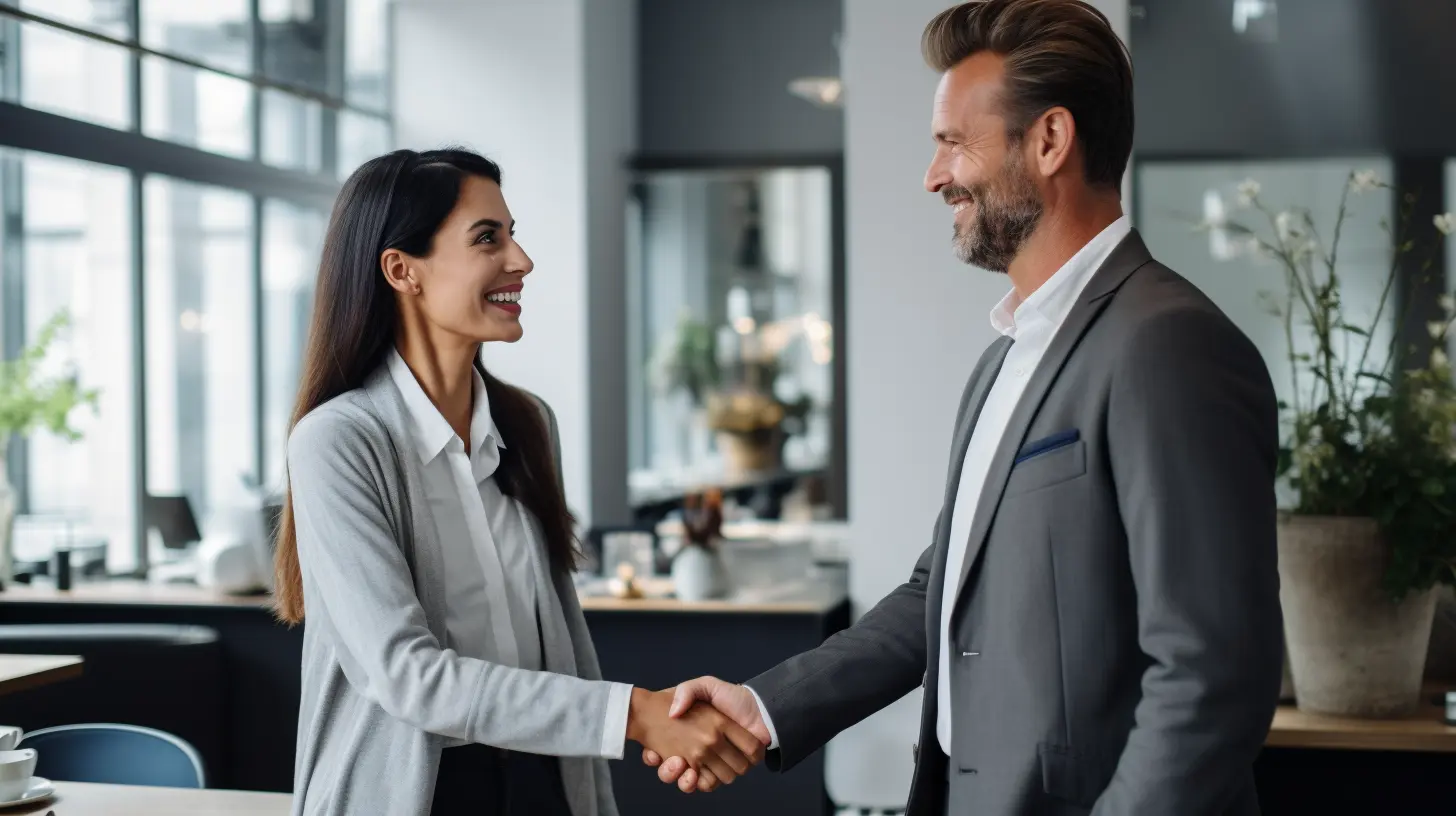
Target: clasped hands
[(709, 732)]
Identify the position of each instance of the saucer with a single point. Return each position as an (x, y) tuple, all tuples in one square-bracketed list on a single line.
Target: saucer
[(40, 789)]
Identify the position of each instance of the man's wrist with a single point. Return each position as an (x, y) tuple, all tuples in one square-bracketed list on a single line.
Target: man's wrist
[(764, 718)]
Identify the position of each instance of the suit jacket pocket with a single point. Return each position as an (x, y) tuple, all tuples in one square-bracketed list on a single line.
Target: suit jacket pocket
[(1046, 469), (1074, 776)]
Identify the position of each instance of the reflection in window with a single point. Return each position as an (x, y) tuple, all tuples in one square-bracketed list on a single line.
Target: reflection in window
[(72, 239), (197, 108), (292, 132), (292, 240), (213, 32), (295, 42), (200, 311), (366, 55), (70, 75), (110, 17), (361, 138)]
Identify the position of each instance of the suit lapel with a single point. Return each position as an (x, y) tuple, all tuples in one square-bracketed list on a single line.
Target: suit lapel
[(1129, 255), (977, 389)]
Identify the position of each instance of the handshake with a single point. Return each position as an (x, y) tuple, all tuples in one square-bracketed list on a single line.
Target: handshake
[(703, 734)]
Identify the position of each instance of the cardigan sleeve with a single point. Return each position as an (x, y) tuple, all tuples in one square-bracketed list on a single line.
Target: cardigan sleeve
[(354, 569)]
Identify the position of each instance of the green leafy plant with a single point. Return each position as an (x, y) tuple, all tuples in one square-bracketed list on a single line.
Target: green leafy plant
[(30, 399), (688, 360), (1370, 430)]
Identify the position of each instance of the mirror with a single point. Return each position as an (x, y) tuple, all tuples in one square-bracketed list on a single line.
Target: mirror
[(735, 285)]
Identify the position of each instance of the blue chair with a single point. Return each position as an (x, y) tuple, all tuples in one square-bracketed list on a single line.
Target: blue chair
[(116, 754)]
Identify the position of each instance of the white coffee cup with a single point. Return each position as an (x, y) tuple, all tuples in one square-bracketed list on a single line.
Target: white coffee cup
[(16, 768), (10, 736)]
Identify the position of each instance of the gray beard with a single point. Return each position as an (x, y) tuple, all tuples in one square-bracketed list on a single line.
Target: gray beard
[(996, 238)]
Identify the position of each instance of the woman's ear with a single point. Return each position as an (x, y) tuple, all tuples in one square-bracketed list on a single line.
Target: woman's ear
[(399, 272)]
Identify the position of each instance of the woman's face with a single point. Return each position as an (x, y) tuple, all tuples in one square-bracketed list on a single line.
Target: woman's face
[(470, 284)]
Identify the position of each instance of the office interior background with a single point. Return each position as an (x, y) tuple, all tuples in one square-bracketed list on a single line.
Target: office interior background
[(740, 284)]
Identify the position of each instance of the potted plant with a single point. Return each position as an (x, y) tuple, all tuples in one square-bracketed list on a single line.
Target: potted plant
[(687, 360), (752, 423), (32, 399), (1369, 456)]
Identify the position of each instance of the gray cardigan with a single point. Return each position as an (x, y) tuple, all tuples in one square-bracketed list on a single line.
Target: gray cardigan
[(382, 688)]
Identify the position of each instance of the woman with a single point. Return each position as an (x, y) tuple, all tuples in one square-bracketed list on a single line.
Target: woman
[(447, 666)]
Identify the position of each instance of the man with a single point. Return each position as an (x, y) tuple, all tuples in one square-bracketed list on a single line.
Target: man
[(1096, 623)]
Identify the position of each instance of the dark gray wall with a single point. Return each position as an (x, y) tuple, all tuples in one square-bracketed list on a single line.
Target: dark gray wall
[(714, 77), (1344, 77)]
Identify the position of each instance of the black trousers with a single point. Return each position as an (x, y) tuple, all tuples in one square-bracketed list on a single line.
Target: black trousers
[(478, 780)]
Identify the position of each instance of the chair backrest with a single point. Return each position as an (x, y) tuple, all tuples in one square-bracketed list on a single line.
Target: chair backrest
[(116, 754)]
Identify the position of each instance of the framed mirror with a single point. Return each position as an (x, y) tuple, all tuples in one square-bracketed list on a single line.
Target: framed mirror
[(735, 303)]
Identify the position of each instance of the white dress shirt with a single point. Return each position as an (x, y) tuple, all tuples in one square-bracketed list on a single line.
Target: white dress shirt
[(1031, 323), (491, 544)]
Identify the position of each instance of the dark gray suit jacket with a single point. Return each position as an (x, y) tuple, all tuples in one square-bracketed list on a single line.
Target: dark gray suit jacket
[(1117, 631)]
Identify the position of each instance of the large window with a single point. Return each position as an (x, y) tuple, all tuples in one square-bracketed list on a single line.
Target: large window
[(292, 238), (181, 236), (68, 247), (201, 394)]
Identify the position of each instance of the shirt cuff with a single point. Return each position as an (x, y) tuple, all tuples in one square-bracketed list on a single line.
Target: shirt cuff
[(767, 720), (614, 730)]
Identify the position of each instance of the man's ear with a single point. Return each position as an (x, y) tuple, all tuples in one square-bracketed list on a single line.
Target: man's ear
[(1051, 138)]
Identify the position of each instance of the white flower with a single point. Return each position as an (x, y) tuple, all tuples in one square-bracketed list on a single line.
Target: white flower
[(1364, 181), (1308, 249), (1437, 329), (1446, 223), (1439, 359), (1286, 226), (1248, 192), (1448, 303)]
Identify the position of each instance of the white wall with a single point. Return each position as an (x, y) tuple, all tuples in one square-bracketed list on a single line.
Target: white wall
[(917, 322), (514, 79)]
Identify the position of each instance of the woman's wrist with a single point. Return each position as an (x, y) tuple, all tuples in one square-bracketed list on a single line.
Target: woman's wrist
[(636, 711)]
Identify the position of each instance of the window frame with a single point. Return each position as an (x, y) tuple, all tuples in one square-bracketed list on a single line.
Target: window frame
[(38, 131)]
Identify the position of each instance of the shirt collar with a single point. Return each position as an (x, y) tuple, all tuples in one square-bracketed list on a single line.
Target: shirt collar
[(431, 432), (1053, 300)]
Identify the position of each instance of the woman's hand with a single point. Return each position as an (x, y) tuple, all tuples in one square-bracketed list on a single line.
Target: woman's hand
[(703, 737)]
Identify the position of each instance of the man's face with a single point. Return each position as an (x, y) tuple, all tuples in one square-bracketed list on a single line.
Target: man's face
[(995, 203)]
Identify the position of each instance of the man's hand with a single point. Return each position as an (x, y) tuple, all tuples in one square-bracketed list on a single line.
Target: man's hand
[(730, 699), (707, 741)]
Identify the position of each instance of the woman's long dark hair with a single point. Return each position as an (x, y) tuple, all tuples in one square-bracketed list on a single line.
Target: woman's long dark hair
[(398, 201)]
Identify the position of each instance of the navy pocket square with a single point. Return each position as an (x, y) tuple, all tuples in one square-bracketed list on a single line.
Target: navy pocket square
[(1047, 444)]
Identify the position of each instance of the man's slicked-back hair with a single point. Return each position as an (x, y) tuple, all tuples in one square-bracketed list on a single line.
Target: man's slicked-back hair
[(1058, 53)]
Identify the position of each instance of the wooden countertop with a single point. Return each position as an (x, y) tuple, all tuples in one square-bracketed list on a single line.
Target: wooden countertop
[(85, 799), (815, 605), (813, 599), (23, 672), (1423, 731), (126, 591)]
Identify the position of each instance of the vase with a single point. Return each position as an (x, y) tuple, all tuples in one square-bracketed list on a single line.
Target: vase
[(1352, 650), (7, 517), (698, 574), (751, 452)]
